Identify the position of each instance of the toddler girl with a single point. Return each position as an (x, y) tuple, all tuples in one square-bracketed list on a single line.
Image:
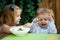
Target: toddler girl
[(44, 22)]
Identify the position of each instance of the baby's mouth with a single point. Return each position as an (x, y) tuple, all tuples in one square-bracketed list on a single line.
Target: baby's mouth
[(43, 24)]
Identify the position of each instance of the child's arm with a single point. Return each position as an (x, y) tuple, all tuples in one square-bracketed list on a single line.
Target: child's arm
[(52, 27), (34, 27), (5, 28), (28, 25)]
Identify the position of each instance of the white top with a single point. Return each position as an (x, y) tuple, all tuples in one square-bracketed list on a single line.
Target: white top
[(50, 29)]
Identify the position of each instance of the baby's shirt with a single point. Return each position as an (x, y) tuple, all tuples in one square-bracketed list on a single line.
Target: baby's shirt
[(50, 29)]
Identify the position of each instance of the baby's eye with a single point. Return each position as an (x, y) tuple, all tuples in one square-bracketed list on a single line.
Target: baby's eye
[(41, 19), (45, 19)]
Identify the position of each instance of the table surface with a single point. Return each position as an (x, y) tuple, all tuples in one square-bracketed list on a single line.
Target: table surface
[(30, 36)]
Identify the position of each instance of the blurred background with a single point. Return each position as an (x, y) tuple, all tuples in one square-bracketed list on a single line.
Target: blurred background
[(29, 9)]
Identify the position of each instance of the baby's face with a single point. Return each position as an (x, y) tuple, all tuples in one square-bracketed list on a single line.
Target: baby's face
[(43, 20)]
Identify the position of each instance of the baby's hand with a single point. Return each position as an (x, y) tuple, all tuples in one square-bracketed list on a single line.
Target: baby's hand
[(50, 18), (35, 20)]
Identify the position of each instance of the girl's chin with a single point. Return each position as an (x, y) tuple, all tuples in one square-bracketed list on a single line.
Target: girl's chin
[(17, 22)]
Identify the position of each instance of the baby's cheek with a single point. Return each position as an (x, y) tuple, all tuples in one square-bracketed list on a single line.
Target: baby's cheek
[(39, 23), (47, 23)]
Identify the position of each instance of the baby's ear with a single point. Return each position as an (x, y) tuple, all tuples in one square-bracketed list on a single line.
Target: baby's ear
[(28, 25)]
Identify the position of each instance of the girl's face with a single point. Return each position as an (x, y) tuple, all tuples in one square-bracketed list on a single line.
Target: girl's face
[(17, 16), (43, 21)]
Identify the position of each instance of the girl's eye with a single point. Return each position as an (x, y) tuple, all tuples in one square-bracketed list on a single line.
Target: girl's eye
[(18, 15)]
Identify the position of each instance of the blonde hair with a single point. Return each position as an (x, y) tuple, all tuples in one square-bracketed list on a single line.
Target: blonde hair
[(45, 10), (8, 15)]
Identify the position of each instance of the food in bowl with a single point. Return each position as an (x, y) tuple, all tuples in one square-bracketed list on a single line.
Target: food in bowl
[(19, 31)]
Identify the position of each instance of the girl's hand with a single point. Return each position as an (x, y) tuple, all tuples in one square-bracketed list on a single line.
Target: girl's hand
[(28, 25)]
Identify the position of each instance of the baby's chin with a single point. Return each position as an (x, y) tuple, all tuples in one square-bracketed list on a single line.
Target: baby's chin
[(43, 26)]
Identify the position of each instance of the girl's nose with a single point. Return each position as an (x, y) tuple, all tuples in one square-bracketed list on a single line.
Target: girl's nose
[(20, 17)]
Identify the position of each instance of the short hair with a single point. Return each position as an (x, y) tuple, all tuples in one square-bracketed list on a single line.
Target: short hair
[(7, 14), (45, 10)]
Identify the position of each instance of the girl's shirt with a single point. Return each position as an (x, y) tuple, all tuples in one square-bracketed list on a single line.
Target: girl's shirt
[(50, 29)]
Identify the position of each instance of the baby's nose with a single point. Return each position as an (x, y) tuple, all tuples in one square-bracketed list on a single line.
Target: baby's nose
[(43, 21)]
